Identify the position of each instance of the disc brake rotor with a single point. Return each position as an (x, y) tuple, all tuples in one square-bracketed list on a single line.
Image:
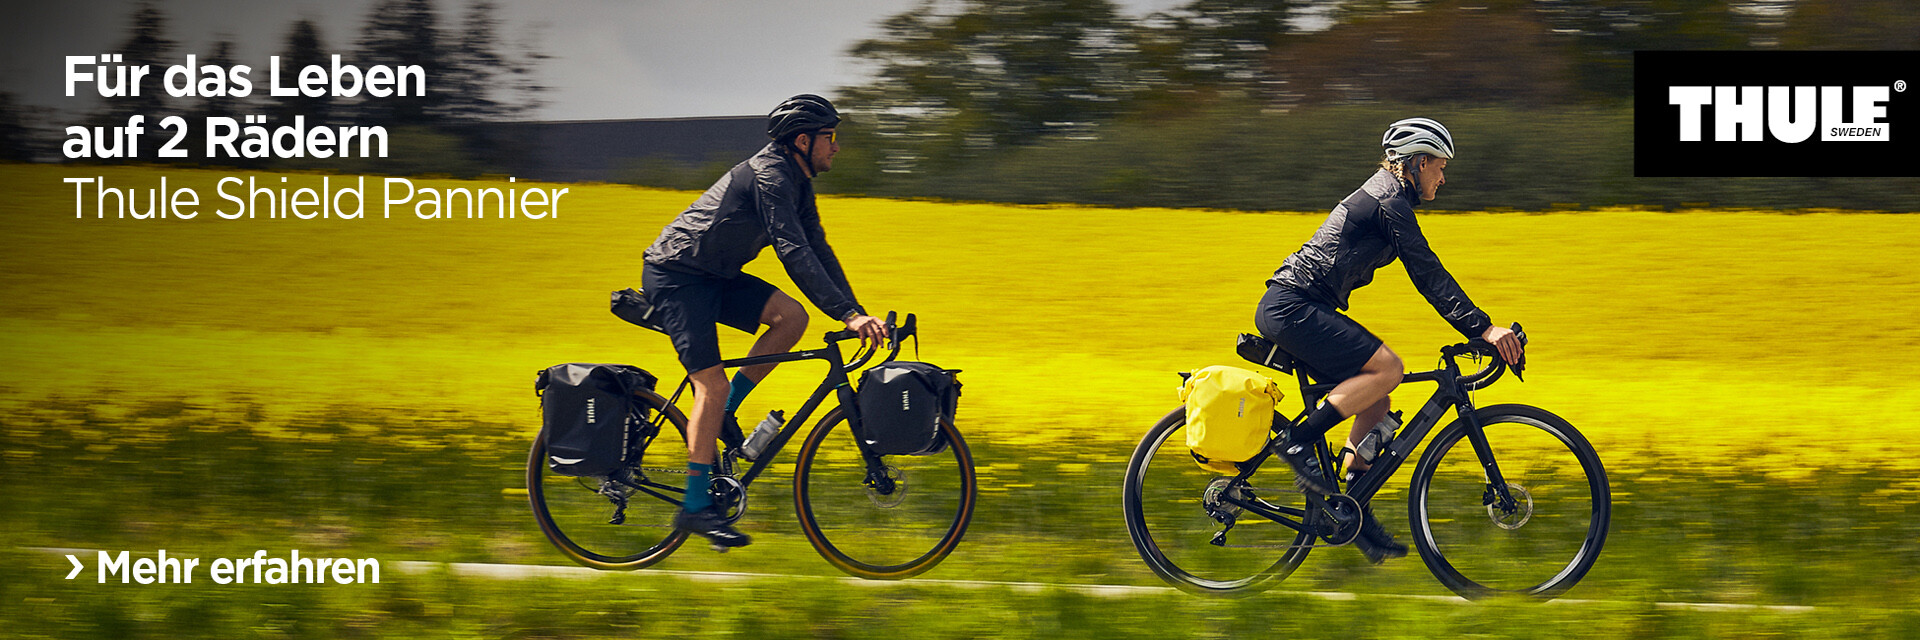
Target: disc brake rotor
[(1522, 512), (893, 498)]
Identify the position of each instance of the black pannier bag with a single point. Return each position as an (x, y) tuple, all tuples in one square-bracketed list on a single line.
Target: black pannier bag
[(902, 405), (589, 416)]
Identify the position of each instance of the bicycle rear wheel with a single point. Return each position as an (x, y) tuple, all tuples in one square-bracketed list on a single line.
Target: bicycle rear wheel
[(1167, 497), (1552, 536), (574, 512), (885, 530)]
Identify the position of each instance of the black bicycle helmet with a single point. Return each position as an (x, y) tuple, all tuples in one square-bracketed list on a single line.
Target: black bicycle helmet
[(804, 113)]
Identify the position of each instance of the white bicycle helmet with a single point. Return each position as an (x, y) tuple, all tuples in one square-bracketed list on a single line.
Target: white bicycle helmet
[(1417, 135)]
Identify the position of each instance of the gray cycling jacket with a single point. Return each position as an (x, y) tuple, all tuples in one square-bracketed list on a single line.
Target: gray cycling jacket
[(766, 200), (1365, 232)]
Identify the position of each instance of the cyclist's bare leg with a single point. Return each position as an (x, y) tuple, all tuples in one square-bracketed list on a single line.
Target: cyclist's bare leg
[(1362, 423), (786, 321), (709, 401), (1377, 378)]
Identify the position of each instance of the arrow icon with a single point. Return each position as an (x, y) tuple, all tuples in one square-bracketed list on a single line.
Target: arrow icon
[(77, 567)]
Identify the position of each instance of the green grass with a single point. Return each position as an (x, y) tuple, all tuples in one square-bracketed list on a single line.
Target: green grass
[(196, 481), (439, 605), (363, 388)]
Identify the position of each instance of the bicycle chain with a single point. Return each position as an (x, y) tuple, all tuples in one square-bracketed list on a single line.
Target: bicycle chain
[(1253, 491)]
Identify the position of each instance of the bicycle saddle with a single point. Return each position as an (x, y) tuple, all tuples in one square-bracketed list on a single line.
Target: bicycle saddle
[(1263, 352), (632, 306)]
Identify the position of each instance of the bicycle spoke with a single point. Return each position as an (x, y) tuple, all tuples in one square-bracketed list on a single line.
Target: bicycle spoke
[(1172, 508), (889, 525), (577, 514), (1540, 540)]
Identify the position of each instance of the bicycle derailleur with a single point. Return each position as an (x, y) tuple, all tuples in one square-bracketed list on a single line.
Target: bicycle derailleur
[(1214, 500)]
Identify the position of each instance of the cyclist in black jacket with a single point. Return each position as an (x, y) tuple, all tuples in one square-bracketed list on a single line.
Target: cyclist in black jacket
[(1301, 309), (692, 277)]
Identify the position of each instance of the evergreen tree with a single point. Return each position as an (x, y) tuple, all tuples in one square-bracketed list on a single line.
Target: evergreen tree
[(473, 67), (212, 106), (403, 32), (303, 48), (15, 138), (146, 44)]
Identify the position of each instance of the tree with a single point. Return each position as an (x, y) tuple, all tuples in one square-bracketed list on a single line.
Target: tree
[(1449, 52), (1872, 25), (991, 75), (214, 106), (1605, 33), (483, 82), (146, 44), (403, 32), (303, 48), (15, 137), (1209, 46)]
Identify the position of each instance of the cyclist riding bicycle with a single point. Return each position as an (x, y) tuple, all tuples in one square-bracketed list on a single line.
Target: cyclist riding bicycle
[(692, 277), (1301, 309)]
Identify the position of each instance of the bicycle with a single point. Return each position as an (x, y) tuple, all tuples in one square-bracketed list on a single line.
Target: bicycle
[(1523, 509), (844, 495)]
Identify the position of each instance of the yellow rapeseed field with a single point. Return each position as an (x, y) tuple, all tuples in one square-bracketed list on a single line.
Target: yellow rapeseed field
[(1712, 334)]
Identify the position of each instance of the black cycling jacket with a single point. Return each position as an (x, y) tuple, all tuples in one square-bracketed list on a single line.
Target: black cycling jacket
[(766, 200), (1365, 232)]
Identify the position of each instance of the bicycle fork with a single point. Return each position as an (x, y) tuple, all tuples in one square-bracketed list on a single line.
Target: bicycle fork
[(1496, 494)]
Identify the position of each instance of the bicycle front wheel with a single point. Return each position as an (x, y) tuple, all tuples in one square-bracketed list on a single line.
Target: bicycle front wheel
[(1170, 507), (880, 528), (575, 512), (1552, 533)]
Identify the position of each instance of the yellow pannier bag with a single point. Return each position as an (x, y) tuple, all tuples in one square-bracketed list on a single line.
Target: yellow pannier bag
[(1229, 415)]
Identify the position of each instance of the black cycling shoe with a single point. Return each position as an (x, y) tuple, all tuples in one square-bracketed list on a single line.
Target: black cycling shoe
[(1306, 468), (730, 433), (1375, 542), (710, 524)]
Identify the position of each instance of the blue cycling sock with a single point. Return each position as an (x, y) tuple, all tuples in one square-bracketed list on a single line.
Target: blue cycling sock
[(699, 477), (742, 385)]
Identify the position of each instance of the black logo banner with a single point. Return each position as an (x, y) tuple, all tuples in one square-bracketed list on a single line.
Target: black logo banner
[(1775, 113)]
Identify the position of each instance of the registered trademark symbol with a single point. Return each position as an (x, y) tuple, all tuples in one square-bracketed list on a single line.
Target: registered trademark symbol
[(1900, 86)]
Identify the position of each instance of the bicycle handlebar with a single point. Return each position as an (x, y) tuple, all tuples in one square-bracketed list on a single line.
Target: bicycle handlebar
[(896, 336), (1487, 375)]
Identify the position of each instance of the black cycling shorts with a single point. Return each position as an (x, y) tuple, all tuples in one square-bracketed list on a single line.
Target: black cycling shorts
[(690, 305), (1329, 345)]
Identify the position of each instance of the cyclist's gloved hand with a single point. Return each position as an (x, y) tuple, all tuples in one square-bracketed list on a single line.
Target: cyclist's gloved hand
[(1506, 341), (871, 329)]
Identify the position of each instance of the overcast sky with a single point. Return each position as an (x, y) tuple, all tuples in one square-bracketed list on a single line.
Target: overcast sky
[(612, 58)]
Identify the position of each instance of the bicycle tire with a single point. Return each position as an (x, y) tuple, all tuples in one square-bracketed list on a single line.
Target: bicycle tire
[(1565, 509), (573, 516), (1172, 531), (882, 536)]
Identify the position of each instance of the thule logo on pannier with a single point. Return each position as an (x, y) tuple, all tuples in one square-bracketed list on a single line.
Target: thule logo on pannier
[(590, 411), (905, 403)]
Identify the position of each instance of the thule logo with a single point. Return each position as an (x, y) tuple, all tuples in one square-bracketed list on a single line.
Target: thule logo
[(1789, 114), (906, 401), (1780, 114), (590, 411)]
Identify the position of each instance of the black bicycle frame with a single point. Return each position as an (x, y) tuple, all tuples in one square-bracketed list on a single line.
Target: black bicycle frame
[(1451, 394), (836, 381)]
